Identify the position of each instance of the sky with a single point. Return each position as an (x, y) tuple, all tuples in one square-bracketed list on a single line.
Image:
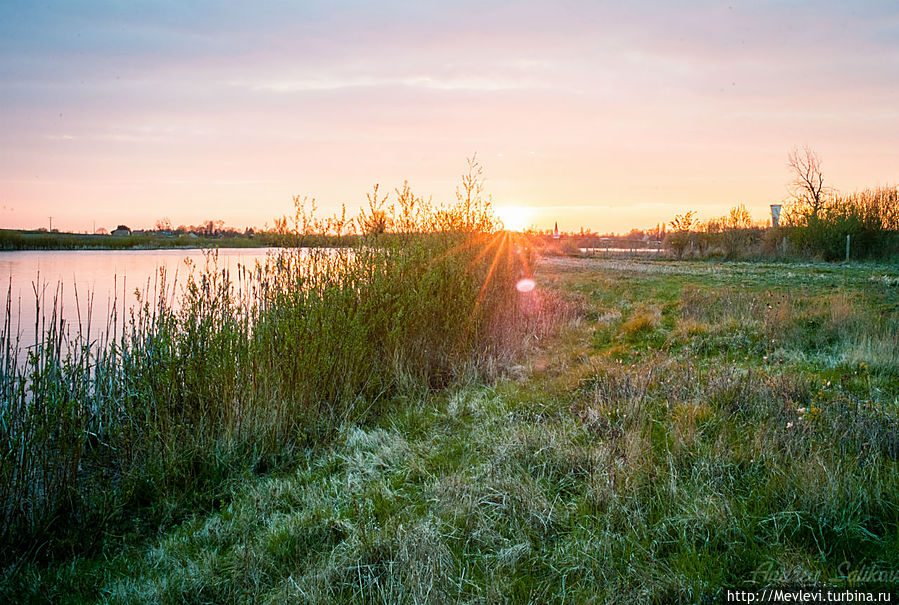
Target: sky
[(598, 115)]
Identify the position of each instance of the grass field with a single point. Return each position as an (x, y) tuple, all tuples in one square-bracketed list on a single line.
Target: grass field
[(688, 426)]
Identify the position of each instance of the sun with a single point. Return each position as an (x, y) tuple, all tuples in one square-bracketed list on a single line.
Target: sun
[(515, 218)]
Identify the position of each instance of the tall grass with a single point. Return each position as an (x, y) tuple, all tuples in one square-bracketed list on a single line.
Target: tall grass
[(233, 373), (661, 449)]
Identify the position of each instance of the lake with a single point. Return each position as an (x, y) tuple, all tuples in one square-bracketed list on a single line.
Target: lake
[(108, 276)]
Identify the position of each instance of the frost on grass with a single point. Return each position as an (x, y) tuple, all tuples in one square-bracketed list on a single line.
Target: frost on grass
[(368, 454)]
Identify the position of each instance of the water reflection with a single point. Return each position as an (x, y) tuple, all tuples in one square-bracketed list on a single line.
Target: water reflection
[(92, 286)]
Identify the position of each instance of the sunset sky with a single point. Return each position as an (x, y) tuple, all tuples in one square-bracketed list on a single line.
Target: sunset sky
[(594, 114)]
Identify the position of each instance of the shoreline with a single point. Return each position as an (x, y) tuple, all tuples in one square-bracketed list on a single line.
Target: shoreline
[(12, 240)]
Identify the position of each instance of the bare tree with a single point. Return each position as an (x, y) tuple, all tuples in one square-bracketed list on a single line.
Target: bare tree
[(680, 238), (684, 222), (808, 186), (739, 217)]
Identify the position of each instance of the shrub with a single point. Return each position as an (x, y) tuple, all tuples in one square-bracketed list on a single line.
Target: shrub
[(244, 370), (870, 218)]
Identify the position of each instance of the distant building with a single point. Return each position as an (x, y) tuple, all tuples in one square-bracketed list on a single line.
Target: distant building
[(121, 230), (775, 215), (556, 231)]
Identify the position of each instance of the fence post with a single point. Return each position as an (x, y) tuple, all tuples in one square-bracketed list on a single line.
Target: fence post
[(847, 247)]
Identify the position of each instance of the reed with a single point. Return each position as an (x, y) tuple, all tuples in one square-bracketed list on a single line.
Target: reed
[(745, 435), (225, 374)]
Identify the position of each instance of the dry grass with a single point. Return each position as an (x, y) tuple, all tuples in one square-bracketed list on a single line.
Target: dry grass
[(642, 320), (240, 373), (660, 469)]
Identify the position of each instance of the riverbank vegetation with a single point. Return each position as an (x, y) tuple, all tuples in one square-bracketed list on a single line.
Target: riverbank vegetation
[(428, 415), (227, 376), (693, 426)]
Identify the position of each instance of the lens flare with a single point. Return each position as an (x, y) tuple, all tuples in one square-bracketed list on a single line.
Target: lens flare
[(526, 285)]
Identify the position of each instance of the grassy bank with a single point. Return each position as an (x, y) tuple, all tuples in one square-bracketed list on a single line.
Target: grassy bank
[(232, 375), (696, 425)]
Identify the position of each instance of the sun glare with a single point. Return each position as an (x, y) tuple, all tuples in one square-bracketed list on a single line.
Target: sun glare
[(515, 218)]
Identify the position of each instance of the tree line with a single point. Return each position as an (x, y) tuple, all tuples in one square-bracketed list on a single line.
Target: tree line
[(815, 222)]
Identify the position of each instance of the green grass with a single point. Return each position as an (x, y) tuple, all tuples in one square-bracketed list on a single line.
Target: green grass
[(690, 426), (237, 376)]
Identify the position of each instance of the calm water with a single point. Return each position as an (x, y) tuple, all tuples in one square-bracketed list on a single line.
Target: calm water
[(109, 276)]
